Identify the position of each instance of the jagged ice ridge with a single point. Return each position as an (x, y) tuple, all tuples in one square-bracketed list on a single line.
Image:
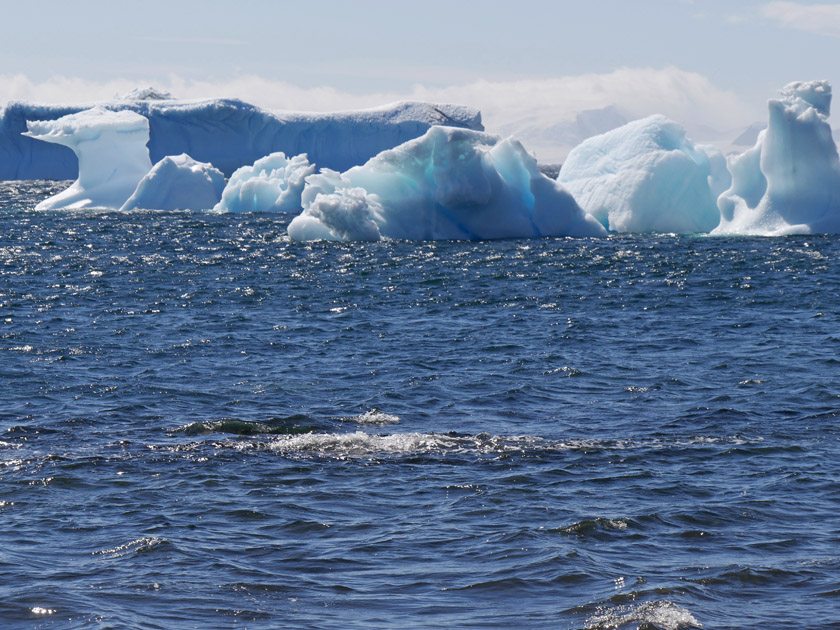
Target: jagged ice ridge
[(448, 184), (272, 184)]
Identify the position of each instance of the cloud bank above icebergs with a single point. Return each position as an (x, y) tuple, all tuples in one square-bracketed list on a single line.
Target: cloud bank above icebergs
[(526, 108)]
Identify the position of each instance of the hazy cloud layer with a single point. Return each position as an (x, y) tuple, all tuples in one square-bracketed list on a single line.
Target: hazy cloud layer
[(823, 19), (528, 108)]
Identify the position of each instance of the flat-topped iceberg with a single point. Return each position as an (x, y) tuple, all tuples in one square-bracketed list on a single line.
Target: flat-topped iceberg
[(272, 184), (229, 133), (789, 182), (646, 176), (111, 151), (178, 182), (448, 184)]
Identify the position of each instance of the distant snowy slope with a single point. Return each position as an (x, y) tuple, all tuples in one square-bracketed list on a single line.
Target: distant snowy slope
[(230, 133), (552, 141), (749, 136)]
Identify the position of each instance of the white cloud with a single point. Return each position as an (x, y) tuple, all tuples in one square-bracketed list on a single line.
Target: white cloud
[(526, 108), (823, 19)]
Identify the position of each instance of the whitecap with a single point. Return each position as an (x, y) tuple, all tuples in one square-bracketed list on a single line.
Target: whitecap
[(373, 416), (135, 546), (662, 614), (360, 444)]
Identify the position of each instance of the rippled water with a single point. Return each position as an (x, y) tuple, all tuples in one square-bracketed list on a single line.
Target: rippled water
[(205, 425)]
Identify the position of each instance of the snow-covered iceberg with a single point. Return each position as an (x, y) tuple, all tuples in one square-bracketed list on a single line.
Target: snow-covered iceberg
[(646, 176), (448, 184), (273, 184), (147, 93), (229, 133), (789, 182), (178, 182), (111, 151)]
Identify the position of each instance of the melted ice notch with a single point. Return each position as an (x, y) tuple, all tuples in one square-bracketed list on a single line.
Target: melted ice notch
[(789, 182), (448, 184), (112, 153), (647, 177)]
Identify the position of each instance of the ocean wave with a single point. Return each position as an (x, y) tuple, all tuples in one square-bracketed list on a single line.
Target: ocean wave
[(373, 416), (291, 424), (360, 444), (661, 614), (141, 545)]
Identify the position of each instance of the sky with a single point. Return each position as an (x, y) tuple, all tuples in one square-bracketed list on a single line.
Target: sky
[(527, 64)]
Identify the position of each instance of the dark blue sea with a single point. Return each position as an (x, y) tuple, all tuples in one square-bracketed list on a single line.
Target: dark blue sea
[(205, 425)]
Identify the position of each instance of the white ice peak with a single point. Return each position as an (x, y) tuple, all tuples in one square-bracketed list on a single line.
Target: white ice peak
[(789, 182), (112, 153), (799, 96)]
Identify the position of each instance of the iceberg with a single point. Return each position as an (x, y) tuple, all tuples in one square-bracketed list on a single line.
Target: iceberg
[(229, 133), (273, 184), (178, 182), (111, 151), (448, 184), (789, 182), (647, 176), (147, 93)]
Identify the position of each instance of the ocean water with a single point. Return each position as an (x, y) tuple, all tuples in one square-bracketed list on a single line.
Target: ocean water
[(204, 425)]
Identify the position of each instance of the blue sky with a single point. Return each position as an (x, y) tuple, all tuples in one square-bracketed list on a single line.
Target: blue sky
[(703, 62)]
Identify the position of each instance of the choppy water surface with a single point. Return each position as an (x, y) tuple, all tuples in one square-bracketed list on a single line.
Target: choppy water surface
[(205, 425)]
